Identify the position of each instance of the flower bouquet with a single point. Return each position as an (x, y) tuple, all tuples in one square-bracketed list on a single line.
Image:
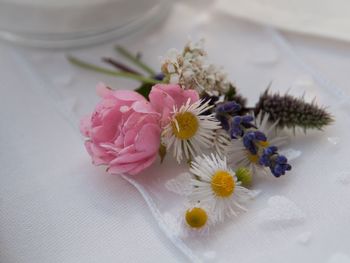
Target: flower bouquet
[(192, 113)]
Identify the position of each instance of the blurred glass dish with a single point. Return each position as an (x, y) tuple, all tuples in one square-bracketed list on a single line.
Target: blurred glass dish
[(51, 23)]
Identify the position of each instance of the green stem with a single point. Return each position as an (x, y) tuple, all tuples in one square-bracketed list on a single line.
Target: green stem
[(120, 66), (83, 64), (135, 60)]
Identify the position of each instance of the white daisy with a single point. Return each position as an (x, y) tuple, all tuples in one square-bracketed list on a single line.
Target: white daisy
[(239, 156), (197, 219), (189, 132), (216, 186)]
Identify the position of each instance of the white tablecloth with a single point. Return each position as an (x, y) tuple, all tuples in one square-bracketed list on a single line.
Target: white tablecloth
[(56, 207)]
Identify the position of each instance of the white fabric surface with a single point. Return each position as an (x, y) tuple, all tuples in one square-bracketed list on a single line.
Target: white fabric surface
[(56, 207), (327, 18)]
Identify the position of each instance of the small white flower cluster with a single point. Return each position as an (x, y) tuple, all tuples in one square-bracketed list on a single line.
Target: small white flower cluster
[(191, 70)]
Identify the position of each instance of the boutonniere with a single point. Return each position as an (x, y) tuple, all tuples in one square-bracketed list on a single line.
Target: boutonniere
[(192, 112)]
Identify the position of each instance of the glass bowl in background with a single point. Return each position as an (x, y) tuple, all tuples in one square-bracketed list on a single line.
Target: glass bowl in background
[(69, 23)]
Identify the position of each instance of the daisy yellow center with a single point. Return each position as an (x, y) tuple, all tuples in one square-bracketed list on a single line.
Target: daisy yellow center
[(253, 158), (187, 125), (196, 217), (264, 144), (222, 183)]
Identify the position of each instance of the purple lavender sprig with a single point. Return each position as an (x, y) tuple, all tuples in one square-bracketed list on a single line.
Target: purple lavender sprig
[(239, 124), (277, 163), (256, 144), (255, 141), (225, 111)]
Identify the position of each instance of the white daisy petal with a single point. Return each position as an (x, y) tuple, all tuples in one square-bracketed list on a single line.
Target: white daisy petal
[(188, 132), (215, 185)]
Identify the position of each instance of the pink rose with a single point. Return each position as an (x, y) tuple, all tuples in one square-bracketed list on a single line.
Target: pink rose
[(164, 97), (123, 132)]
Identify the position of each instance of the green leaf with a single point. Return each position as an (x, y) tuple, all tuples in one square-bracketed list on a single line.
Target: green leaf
[(231, 93), (144, 89)]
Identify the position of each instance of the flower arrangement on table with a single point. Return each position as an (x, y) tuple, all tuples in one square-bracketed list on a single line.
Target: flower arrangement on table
[(194, 112)]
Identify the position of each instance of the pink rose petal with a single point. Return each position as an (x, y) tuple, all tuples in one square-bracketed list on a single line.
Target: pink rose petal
[(148, 139), (164, 97), (123, 131), (103, 90), (127, 95), (142, 166), (85, 125)]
